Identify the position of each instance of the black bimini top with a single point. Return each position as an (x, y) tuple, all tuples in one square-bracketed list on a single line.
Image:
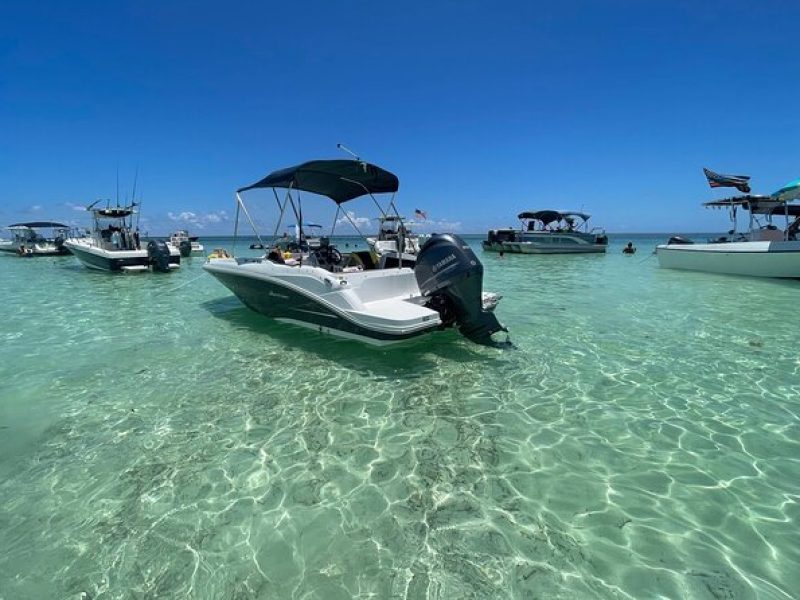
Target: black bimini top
[(339, 180), (757, 204), (549, 216), (743, 200), (112, 213), (40, 224)]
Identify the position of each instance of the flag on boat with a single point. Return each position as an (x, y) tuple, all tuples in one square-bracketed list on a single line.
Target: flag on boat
[(740, 182), (420, 213), (789, 192)]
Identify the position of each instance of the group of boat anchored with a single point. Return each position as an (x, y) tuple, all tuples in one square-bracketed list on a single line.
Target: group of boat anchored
[(401, 285)]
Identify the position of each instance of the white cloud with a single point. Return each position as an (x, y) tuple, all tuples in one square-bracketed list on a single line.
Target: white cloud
[(35, 208), (198, 220), (354, 219), (437, 226), (75, 207)]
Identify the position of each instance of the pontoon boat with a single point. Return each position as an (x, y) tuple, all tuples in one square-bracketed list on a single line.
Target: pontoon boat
[(548, 232)]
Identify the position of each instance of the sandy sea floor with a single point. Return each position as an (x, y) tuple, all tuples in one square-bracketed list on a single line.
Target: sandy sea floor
[(159, 440)]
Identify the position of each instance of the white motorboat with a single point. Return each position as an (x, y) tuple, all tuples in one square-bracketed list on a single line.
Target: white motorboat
[(393, 230), (349, 294), (30, 239), (548, 232), (187, 245), (764, 250), (114, 244)]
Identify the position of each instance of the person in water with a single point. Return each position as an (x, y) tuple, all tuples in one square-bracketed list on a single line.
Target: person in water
[(629, 249)]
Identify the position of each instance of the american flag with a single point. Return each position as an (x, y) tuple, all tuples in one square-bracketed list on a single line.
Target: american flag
[(740, 182), (420, 213)]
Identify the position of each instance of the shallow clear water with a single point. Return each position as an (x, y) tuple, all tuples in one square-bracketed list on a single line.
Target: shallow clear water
[(157, 439)]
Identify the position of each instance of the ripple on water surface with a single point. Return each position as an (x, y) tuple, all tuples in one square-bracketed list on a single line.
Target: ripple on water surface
[(160, 440)]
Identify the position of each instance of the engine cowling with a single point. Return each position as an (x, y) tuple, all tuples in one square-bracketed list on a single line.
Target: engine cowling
[(451, 276), (158, 253)]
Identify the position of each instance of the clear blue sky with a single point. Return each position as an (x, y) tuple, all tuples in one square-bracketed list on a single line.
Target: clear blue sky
[(482, 109)]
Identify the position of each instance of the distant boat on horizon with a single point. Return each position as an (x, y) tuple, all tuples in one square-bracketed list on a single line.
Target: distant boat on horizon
[(548, 232), (114, 245), (28, 240)]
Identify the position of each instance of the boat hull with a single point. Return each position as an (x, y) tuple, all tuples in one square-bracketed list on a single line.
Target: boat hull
[(283, 301), (115, 261), (34, 250), (751, 259), (542, 248)]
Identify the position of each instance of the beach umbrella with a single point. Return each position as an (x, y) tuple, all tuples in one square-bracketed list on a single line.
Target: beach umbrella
[(789, 192)]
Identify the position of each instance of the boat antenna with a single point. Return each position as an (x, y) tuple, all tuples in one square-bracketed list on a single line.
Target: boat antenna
[(135, 177), (350, 152), (117, 186), (133, 197), (138, 212)]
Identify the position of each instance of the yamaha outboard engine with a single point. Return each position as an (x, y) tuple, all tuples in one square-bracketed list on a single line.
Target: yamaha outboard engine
[(451, 276), (185, 247), (158, 253)]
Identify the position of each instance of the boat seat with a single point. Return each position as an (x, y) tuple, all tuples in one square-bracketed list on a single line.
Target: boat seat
[(363, 258)]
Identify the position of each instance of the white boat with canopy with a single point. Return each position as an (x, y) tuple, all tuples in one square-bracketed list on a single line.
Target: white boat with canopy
[(768, 248), (394, 230), (114, 244), (36, 238), (351, 294), (548, 232), (187, 245)]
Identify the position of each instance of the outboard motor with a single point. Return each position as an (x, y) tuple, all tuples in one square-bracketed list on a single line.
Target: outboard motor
[(185, 248), (451, 276), (158, 253)]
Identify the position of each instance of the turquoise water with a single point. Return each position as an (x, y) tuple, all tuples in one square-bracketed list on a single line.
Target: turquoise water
[(159, 440)]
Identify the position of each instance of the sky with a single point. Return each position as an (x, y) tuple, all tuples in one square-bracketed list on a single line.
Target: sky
[(482, 109)]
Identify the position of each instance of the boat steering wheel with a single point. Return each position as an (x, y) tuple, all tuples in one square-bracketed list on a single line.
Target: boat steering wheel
[(329, 254)]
